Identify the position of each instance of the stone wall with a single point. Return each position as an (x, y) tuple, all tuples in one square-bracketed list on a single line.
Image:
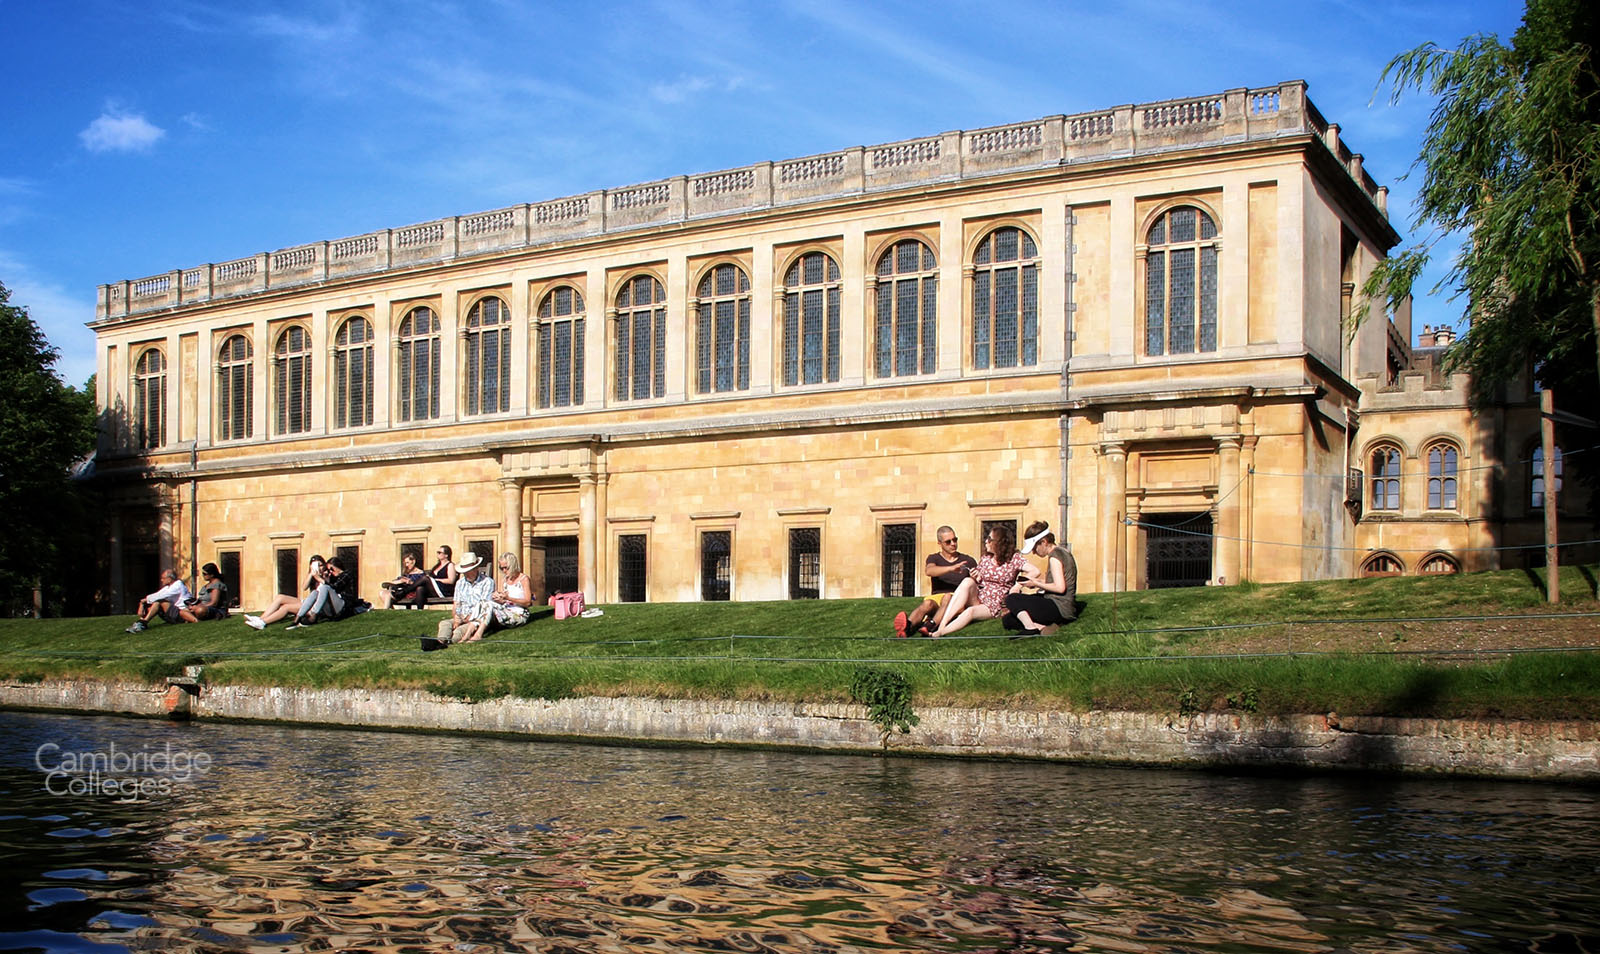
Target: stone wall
[(1560, 751)]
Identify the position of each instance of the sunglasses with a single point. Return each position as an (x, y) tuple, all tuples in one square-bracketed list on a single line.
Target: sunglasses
[(951, 540)]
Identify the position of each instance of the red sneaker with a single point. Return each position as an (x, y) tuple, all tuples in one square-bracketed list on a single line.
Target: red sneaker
[(900, 625)]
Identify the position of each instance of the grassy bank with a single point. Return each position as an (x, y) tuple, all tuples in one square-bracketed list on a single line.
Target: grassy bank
[(1450, 646)]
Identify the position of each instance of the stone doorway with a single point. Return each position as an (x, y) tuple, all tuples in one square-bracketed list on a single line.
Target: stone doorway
[(560, 564), (1177, 549)]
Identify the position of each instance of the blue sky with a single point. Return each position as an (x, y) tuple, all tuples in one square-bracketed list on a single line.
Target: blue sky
[(139, 137)]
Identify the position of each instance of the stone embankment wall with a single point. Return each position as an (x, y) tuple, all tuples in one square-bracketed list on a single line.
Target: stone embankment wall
[(1496, 748)]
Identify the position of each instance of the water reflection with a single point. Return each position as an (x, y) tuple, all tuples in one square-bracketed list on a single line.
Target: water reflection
[(304, 840)]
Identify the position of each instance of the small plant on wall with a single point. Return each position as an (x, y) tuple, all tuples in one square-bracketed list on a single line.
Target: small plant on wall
[(887, 695)]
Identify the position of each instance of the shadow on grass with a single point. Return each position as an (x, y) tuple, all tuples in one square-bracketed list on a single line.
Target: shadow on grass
[(1587, 572)]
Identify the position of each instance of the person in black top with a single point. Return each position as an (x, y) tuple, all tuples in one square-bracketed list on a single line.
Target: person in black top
[(945, 570)]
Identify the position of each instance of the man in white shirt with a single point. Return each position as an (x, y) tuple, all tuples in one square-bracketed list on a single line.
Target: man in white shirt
[(169, 601), (471, 608)]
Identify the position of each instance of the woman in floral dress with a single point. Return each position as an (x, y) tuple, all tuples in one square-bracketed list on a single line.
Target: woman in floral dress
[(983, 595)]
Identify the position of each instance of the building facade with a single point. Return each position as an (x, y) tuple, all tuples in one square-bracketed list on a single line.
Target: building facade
[(777, 381)]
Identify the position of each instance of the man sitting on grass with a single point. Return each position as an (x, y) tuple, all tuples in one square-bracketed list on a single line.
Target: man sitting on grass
[(945, 570), (469, 613), (170, 601)]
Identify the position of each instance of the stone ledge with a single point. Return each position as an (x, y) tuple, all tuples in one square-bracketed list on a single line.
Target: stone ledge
[(1548, 751)]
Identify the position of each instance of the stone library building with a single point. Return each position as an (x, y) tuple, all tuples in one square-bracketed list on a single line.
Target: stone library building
[(777, 381)]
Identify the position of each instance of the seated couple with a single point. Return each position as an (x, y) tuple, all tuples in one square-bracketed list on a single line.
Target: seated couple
[(174, 604), (416, 586), (1003, 585), (330, 594), (479, 604)]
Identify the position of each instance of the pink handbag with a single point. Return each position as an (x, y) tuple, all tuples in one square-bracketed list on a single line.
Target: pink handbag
[(567, 604)]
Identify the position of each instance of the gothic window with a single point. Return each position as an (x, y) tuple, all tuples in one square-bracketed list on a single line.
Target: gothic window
[(1442, 460), (722, 333), (906, 340), (488, 357), (352, 373), (1536, 479), (560, 344), (1005, 300), (640, 335), (150, 399), (291, 381), (235, 390), (1382, 563), (1180, 283), (417, 376), (1385, 479), (1439, 563), (811, 291)]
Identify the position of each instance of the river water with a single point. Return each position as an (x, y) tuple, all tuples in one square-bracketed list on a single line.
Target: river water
[(264, 838)]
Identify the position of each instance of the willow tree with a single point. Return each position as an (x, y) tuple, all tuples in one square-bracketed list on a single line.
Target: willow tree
[(1511, 162)]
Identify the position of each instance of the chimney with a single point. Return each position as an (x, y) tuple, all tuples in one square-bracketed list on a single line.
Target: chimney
[(1443, 335), (1425, 340)]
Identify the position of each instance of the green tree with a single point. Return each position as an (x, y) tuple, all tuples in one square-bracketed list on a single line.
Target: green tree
[(1511, 161), (45, 428)]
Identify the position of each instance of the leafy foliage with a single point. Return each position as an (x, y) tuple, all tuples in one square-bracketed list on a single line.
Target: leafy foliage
[(45, 427), (1511, 159), (887, 695)]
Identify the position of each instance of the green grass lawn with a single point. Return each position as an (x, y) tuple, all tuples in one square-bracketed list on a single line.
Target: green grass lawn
[(1172, 650)]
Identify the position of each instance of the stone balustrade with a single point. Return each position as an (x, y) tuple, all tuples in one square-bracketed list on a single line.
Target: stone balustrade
[(1123, 131)]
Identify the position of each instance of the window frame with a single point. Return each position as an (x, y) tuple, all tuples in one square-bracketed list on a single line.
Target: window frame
[(797, 353), (546, 341), (794, 577), (1204, 248), (1369, 566), (720, 370), (626, 381), (406, 380), (911, 572), (703, 585), (480, 339), (886, 315), (148, 383), (985, 299), (243, 367), (343, 349), (291, 363), (1447, 479), (1394, 486)]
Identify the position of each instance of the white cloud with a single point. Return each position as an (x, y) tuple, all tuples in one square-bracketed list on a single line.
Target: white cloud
[(116, 131), (680, 89)]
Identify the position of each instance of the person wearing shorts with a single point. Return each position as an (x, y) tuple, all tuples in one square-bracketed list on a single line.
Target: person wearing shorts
[(945, 569)]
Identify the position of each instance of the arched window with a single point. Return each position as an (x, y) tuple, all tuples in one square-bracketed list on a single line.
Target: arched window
[(291, 384), (907, 310), (811, 320), (1439, 563), (150, 399), (1385, 479), (560, 344), (722, 333), (1005, 300), (1180, 283), (640, 333), (235, 389), (488, 357), (352, 373), (418, 359), (1536, 478), (1442, 460), (1382, 563)]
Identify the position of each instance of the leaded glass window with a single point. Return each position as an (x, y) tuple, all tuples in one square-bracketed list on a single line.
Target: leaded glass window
[(235, 390), (1382, 564), (1385, 479), (560, 344), (417, 380), (716, 565), (722, 331), (1536, 479), (1442, 459), (150, 399), (352, 373), (1180, 283), (488, 357), (1005, 300), (291, 381), (811, 290), (640, 336), (907, 311)]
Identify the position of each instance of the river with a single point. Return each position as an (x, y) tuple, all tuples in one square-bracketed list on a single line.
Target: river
[(143, 835)]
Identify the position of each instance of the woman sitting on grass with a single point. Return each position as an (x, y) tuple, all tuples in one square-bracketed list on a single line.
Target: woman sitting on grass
[(442, 578), (212, 603), (329, 596), (514, 595), (983, 595), (1055, 597)]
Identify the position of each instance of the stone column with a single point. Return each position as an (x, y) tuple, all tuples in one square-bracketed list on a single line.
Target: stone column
[(1247, 507), (1230, 486), (511, 498), (588, 536), (167, 510), (602, 558), (1113, 502), (1133, 574)]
